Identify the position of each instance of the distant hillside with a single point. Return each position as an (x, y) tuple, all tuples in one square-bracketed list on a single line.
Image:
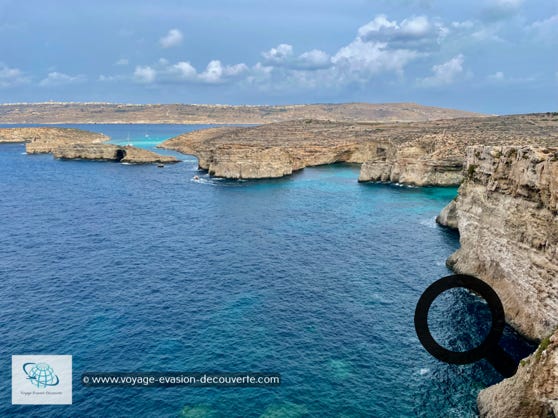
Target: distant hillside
[(220, 114)]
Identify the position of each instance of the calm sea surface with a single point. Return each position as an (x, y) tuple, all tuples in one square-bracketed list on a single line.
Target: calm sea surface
[(314, 276)]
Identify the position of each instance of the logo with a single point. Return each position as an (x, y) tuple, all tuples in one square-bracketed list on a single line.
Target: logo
[(40, 374), (41, 379)]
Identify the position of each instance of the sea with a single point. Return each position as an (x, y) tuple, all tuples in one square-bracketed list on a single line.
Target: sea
[(138, 268)]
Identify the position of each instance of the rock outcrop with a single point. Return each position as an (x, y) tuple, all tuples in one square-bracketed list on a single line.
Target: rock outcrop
[(448, 216), (532, 392), (418, 153), (276, 150), (69, 143), (109, 152)]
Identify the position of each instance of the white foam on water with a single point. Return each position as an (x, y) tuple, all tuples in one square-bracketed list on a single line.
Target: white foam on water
[(424, 371), (430, 222)]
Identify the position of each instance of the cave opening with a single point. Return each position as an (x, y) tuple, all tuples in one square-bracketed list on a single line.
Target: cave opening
[(120, 154)]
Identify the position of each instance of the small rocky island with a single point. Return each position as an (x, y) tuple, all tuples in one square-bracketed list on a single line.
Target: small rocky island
[(67, 143)]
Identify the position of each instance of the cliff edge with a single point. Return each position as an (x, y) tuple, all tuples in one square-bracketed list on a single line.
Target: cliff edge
[(506, 212), (507, 215)]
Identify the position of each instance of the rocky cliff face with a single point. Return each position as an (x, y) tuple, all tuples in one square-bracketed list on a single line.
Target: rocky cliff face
[(419, 153), (276, 150), (532, 392), (506, 213)]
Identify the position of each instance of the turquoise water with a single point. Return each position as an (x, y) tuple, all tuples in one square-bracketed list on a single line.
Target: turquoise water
[(314, 276)]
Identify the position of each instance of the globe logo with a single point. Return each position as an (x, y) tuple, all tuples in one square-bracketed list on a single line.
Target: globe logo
[(40, 374)]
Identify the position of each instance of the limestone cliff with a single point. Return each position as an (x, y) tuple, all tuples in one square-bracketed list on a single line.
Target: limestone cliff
[(507, 218), (532, 392), (276, 150), (419, 153), (507, 215), (434, 153)]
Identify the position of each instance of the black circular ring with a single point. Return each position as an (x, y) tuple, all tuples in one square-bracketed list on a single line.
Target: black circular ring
[(477, 286)]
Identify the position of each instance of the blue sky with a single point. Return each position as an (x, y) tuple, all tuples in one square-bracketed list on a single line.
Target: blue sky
[(495, 56)]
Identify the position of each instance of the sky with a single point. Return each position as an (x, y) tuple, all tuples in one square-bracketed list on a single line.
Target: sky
[(492, 56)]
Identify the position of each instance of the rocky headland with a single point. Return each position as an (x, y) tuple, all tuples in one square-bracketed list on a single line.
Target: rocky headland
[(53, 112), (66, 143), (417, 153), (506, 212)]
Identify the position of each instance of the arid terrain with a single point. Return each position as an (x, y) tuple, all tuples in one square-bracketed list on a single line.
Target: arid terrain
[(50, 113)]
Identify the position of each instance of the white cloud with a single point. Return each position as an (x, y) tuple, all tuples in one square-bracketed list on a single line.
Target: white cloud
[(145, 75), (365, 59), (446, 73), (165, 72), (173, 38), (56, 78), (414, 32), (184, 71), (314, 59), (283, 56), (11, 77), (213, 73), (122, 61), (278, 55)]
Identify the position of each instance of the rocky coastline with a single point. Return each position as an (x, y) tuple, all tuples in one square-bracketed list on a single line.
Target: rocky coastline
[(416, 153), (67, 143)]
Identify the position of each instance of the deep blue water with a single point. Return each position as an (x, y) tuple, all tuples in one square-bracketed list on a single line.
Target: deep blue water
[(314, 276)]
